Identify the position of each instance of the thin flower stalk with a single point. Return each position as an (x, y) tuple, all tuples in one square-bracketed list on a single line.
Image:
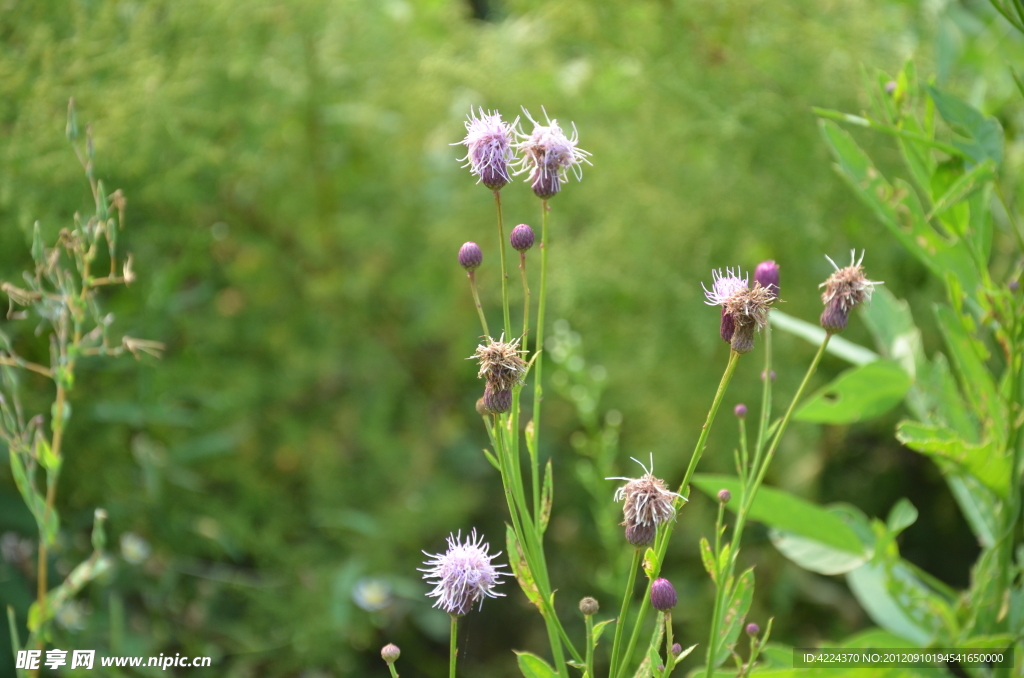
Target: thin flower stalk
[(627, 597), (504, 273), (664, 534)]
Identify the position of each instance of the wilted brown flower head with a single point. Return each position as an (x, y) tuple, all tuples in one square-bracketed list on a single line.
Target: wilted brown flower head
[(744, 308), (501, 363), (647, 501), (844, 290)]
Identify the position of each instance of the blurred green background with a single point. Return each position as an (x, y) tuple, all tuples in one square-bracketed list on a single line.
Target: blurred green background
[(295, 208)]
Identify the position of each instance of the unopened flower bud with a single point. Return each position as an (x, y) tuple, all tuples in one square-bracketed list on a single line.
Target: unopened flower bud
[(890, 87), (589, 606), (641, 534), (677, 649), (740, 410), (767, 275), (1014, 285), (481, 408), (521, 237), (497, 400), (390, 653), (470, 256), (663, 595), (753, 629), (724, 496)]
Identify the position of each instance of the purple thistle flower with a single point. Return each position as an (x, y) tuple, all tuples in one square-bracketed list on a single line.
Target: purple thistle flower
[(663, 595), (490, 147), (744, 309), (548, 154), (463, 575)]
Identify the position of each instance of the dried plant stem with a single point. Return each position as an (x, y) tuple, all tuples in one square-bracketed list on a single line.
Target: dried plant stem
[(504, 274), (476, 300), (32, 367), (627, 596)]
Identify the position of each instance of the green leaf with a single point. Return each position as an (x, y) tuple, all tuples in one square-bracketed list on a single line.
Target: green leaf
[(599, 629), (984, 135), (492, 459), (891, 324), (897, 601), (902, 515), (897, 206), (814, 334), (546, 498), (533, 666), (814, 556), (44, 453), (650, 562), (521, 569), (978, 504), (982, 461), (786, 512), (857, 394), (735, 609), (708, 558), (12, 626), (968, 356)]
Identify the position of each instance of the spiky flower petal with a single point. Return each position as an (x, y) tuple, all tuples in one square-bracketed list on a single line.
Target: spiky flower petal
[(548, 154), (501, 363), (463, 575), (489, 141), (845, 289)]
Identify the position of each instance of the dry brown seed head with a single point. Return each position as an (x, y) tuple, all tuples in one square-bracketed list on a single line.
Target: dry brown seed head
[(501, 363)]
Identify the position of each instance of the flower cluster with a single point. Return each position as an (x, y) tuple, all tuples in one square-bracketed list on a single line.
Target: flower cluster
[(463, 575), (547, 154)]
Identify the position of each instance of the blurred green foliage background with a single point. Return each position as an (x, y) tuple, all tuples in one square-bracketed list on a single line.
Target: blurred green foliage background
[(295, 208)]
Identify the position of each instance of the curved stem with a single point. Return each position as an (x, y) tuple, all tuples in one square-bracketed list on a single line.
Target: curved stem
[(476, 300)]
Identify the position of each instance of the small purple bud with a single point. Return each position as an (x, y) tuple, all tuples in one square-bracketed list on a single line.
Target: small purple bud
[(728, 327), (521, 238), (1014, 285), (753, 629), (767, 275), (677, 649), (496, 400), (390, 653), (724, 496), (890, 87), (663, 595), (740, 410), (470, 256), (762, 375), (589, 606), (641, 534), (661, 667)]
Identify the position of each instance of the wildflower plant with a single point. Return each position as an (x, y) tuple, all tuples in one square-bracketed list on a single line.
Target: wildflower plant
[(972, 432), (61, 296)]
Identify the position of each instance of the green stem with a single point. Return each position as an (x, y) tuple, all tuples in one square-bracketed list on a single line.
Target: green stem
[(670, 661), (538, 391), (620, 623), (394, 673), (479, 306), (766, 395), (661, 543), (504, 275), (452, 649), (588, 672), (526, 298)]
